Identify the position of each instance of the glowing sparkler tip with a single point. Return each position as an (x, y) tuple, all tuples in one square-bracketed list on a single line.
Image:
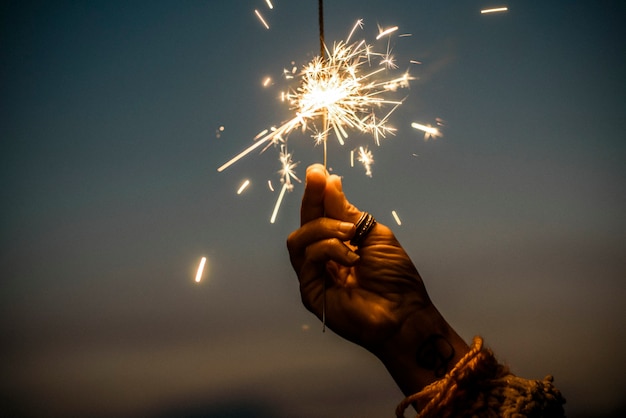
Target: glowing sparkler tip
[(344, 91), (200, 270)]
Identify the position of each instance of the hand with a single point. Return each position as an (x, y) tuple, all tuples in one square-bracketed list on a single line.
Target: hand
[(372, 294), (370, 290)]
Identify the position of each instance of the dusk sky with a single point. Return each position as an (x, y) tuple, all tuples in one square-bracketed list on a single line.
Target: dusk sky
[(110, 142)]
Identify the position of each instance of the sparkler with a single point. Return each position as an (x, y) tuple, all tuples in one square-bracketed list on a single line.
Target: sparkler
[(339, 91)]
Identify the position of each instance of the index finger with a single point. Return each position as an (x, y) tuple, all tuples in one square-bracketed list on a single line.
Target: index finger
[(313, 197)]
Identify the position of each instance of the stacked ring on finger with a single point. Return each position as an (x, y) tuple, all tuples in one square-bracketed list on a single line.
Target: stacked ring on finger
[(363, 227)]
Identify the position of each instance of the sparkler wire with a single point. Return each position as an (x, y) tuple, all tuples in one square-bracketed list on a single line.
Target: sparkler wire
[(322, 58), (324, 133)]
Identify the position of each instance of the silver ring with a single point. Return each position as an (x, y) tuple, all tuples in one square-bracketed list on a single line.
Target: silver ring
[(363, 227)]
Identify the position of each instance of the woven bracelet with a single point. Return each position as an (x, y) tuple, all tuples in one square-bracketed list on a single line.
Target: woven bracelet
[(479, 386)]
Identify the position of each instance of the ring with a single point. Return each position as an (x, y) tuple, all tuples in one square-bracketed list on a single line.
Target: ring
[(363, 227)]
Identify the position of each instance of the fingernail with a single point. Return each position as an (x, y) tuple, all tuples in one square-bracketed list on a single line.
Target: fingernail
[(346, 226)]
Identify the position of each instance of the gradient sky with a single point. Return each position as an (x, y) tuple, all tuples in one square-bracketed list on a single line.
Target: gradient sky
[(516, 217)]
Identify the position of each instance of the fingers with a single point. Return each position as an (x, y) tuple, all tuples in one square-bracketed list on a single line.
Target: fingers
[(323, 196), (323, 259), (313, 198), (317, 230), (331, 249), (335, 202)]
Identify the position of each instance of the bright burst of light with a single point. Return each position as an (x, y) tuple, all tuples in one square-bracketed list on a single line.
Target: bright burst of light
[(429, 131), (200, 270), (340, 92)]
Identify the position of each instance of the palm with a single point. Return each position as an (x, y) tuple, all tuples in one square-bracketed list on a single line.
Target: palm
[(367, 303)]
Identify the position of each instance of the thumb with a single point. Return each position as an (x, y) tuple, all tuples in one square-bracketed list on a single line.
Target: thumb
[(336, 204)]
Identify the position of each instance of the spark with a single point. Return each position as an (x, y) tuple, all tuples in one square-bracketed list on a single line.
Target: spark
[(386, 31), (278, 203), (260, 134), (269, 4), (358, 24), (365, 157), (269, 185), (258, 14), (388, 60), (396, 217), (287, 175), (287, 171), (267, 81), (336, 94), (494, 10), (243, 186), (200, 270), (429, 131)]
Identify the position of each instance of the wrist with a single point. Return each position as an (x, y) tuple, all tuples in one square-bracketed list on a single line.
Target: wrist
[(423, 350)]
